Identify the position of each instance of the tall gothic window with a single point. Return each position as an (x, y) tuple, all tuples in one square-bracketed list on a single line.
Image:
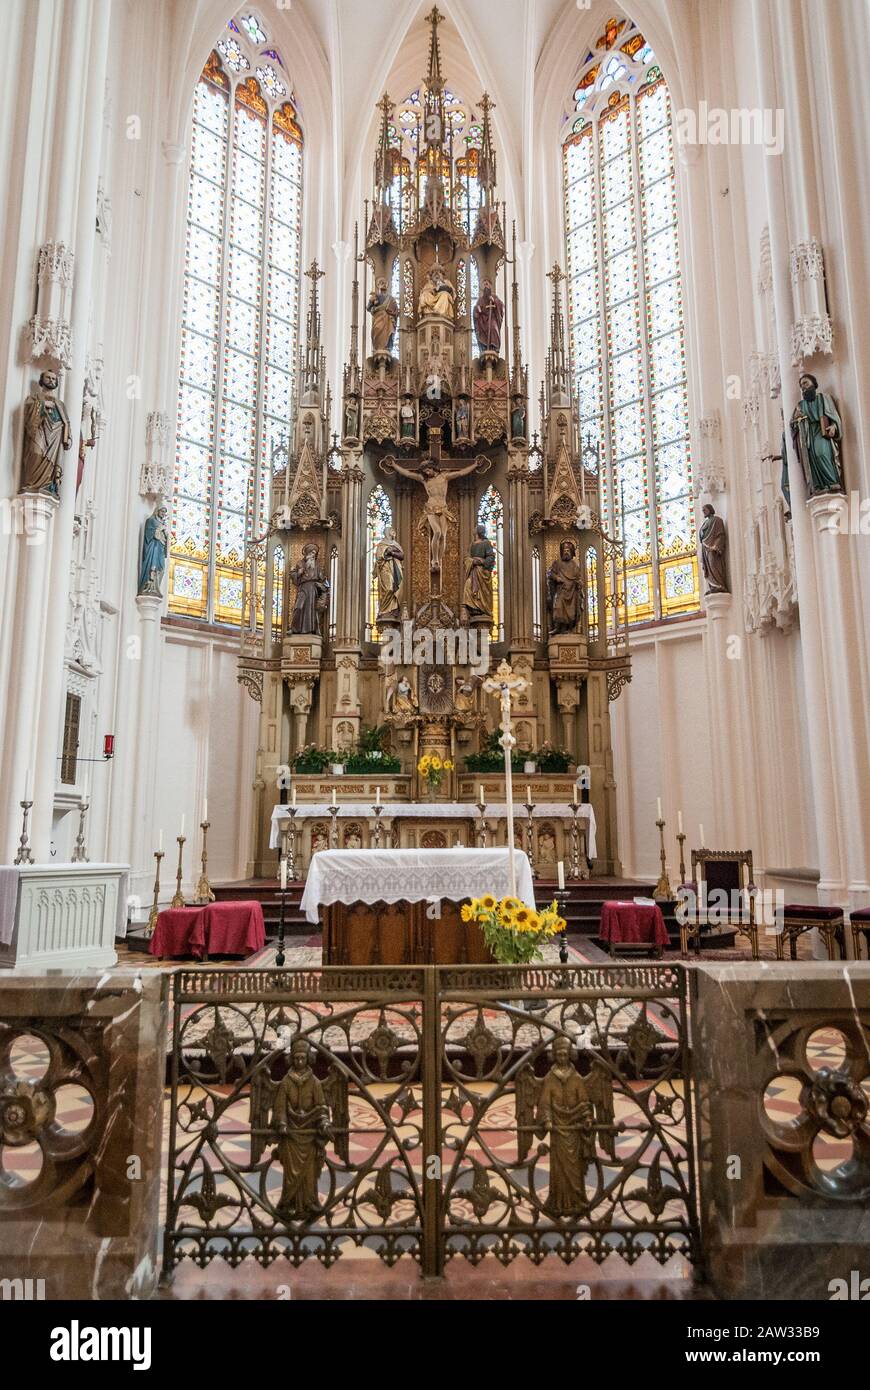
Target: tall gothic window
[(379, 515), (625, 304), (240, 315), (490, 514)]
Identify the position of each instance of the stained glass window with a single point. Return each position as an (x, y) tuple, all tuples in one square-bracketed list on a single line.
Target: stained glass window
[(626, 320), (239, 318), (379, 515), (490, 514), (592, 593)]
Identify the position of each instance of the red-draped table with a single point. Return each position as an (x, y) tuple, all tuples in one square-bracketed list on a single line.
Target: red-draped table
[(633, 924), (215, 929)]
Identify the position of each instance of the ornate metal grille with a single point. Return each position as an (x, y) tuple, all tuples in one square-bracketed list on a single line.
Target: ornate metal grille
[(432, 1112)]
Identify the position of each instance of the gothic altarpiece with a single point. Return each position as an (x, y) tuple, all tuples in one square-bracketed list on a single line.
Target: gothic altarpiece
[(434, 427)]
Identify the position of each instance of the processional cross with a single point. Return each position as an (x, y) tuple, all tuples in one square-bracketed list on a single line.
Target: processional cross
[(505, 683)]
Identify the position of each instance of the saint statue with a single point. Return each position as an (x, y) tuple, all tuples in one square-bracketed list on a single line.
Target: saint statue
[(155, 548), (385, 313), (565, 590), (407, 419), (816, 431), (312, 589), (437, 294), (389, 567), (300, 1117), (47, 434), (488, 319), (518, 418), (436, 510), (351, 418), (400, 697), (465, 695), (462, 418), (477, 596), (566, 1112), (714, 542)]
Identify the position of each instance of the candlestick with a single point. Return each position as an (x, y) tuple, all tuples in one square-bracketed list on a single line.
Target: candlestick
[(662, 891), (80, 853), (579, 863), (152, 915), (481, 824), (562, 902), (530, 836), (378, 812), (178, 899), (24, 856), (682, 839), (288, 833), (279, 956), (333, 834), (204, 892)]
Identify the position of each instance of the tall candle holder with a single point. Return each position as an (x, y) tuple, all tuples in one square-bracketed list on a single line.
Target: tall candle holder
[(24, 855), (682, 839), (178, 898), (288, 840), (204, 892), (579, 868), (530, 839), (153, 914), (561, 895), (481, 825), (333, 833), (377, 811), (662, 891), (279, 955), (80, 853)]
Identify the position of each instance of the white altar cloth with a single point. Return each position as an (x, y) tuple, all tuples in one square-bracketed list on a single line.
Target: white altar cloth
[(435, 810), (412, 875)]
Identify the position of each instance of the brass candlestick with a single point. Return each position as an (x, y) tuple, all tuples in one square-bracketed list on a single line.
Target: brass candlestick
[(574, 807), (153, 914), (80, 853), (481, 827), (682, 839), (288, 841), (24, 856), (378, 812), (178, 899), (204, 893), (333, 834), (530, 839), (561, 897), (662, 891)]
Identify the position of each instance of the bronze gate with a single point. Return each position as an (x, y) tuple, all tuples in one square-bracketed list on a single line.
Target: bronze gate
[(431, 1112)]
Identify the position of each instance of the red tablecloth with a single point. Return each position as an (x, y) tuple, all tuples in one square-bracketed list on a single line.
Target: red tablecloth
[(633, 923), (216, 929)]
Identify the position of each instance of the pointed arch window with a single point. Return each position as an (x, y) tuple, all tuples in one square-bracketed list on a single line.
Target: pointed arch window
[(490, 514), (379, 515), (240, 314), (626, 318)]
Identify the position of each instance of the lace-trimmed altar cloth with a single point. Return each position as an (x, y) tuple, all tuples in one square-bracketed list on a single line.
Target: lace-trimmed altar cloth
[(411, 875), (436, 810)]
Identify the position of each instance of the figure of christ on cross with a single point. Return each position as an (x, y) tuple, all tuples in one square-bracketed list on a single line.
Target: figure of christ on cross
[(436, 482)]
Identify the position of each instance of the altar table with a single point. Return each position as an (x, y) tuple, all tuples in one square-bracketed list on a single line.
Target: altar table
[(213, 929), (402, 906), (633, 924)]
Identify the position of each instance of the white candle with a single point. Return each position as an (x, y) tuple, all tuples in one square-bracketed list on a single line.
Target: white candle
[(528, 795), (160, 841), (480, 796), (292, 796), (680, 822), (27, 785), (701, 834), (205, 808), (333, 796), (377, 796), (283, 873), (182, 828), (560, 869), (659, 807)]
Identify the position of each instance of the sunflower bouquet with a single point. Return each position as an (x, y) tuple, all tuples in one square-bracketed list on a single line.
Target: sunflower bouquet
[(513, 932), (433, 768)]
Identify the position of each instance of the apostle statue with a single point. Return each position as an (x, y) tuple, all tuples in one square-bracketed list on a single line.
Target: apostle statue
[(407, 419), (488, 319), (351, 418), (816, 432), (477, 595), (463, 416), (312, 590), (437, 295), (385, 313), (565, 590), (47, 434), (155, 548), (389, 567), (518, 418), (714, 543), (300, 1117)]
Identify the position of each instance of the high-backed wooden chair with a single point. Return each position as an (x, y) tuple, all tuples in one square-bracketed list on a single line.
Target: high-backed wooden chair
[(717, 870)]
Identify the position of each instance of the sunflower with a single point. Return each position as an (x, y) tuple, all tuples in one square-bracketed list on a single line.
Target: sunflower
[(448, 764), (488, 902), (509, 904), (436, 764), (424, 764), (522, 917), (466, 912)]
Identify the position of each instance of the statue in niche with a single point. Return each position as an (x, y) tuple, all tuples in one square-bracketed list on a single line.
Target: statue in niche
[(351, 418), (465, 695), (47, 435), (155, 548), (319, 839), (546, 845), (463, 419), (385, 314), (477, 596), (436, 510), (353, 838), (437, 295), (399, 697), (312, 593), (488, 319), (518, 418), (816, 431), (389, 567), (714, 544), (570, 1110), (565, 590), (407, 420)]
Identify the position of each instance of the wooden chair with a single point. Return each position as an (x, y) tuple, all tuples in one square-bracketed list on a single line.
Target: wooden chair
[(859, 921), (717, 870)]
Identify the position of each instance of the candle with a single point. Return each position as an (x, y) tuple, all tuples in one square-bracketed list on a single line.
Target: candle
[(560, 869), (160, 842), (480, 797), (333, 796), (27, 785), (701, 834), (181, 836), (659, 807), (680, 822), (292, 796), (377, 796), (205, 808), (283, 874), (528, 795)]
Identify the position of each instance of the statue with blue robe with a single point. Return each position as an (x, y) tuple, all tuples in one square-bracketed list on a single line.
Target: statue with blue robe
[(816, 432), (155, 548)]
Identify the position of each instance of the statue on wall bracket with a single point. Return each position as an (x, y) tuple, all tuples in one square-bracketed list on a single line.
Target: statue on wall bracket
[(565, 590), (47, 435), (384, 314), (816, 432), (477, 596), (312, 593), (488, 319)]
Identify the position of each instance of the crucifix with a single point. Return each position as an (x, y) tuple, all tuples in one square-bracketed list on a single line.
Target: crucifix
[(436, 480), (506, 684)]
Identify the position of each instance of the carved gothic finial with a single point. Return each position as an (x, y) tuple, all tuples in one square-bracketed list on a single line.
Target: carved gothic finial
[(433, 77)]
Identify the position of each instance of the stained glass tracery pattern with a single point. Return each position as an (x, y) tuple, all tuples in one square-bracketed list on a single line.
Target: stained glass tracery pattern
[(626, 322), (239, 324)]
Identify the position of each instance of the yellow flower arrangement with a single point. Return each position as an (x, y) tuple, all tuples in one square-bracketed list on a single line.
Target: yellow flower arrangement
[(513, 930), (433, 767)]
